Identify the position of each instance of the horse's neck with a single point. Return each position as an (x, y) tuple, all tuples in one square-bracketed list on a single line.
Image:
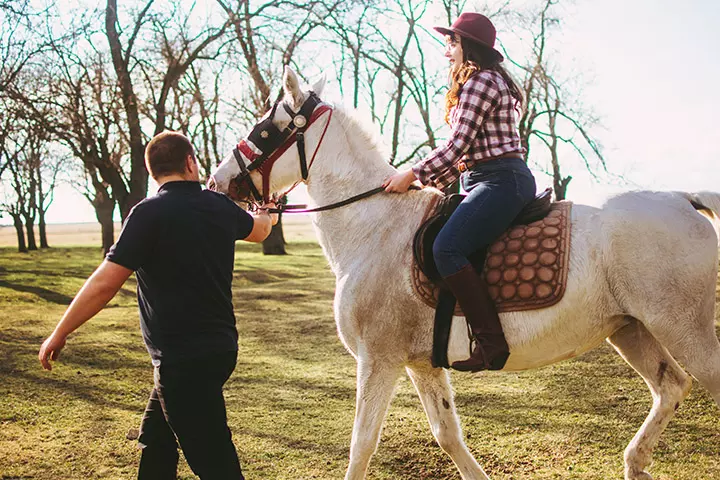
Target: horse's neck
[(355, 232), (344, 168)]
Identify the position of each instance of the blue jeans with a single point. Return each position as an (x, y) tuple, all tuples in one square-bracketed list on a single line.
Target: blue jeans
[(497, 191)]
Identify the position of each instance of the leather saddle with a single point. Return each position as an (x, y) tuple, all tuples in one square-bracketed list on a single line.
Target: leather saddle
[(425, 235)]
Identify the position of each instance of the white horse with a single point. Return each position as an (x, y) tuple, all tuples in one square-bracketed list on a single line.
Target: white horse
[(642, 274)]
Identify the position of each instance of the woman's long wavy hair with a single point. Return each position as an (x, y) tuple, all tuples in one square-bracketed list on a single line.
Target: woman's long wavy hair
[(477, 57)]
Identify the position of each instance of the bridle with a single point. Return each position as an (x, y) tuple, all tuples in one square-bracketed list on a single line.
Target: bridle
[(266, 143)]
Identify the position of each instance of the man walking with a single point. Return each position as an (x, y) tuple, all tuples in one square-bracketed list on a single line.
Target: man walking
[(181, 244)]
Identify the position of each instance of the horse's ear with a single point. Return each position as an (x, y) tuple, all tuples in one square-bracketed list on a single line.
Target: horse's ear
[(291, 86), (319, 85)]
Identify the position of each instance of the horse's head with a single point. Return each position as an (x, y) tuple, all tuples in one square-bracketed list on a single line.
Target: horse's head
[(245, 174)]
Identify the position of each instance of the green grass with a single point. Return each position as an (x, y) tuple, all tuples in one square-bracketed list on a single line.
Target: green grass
[(291, 398)]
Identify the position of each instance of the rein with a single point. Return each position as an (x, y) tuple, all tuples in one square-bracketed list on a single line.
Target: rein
[(301, 208)]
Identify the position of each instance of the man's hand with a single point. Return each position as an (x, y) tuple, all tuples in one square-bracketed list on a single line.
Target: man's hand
[(273, 216), (97, 291), (400, 182), (50, 350), (263, 223)]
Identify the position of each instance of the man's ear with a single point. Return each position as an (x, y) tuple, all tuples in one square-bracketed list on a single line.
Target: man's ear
[(189, 163)]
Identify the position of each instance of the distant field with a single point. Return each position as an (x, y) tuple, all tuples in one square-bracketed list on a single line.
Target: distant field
[(291, 398), (296, 228)]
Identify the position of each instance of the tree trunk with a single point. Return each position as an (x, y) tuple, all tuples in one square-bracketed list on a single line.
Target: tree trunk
[(107, 228), (30, 228), (42, 230), (17, 222), (42, 208), (104, 207), (274, 244), (560, 186), (138, 174)]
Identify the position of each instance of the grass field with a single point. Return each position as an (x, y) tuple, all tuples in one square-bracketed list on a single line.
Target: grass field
[(291, 398)]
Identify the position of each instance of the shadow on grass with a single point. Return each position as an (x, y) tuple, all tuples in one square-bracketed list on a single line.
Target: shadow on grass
[(331, 391), (336, 451), (22, 345), (88, 391), (108, 358), (44, 293), (595, 400), (68, 273), (21, 371)]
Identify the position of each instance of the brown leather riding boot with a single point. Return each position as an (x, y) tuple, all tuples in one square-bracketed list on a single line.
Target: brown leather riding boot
[(491, 351)]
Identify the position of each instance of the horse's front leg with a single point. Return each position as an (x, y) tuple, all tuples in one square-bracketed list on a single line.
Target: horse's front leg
[(433, 387), (375, 383)]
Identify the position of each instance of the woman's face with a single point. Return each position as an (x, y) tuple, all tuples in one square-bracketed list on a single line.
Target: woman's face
[(453, 51)]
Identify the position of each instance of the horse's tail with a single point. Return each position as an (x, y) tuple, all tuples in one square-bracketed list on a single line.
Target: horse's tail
[(708, 204)]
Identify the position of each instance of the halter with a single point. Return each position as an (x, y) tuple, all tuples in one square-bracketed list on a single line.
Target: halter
[(266, 143)]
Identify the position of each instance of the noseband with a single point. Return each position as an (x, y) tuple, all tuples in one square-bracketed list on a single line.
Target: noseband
[(266, 143)]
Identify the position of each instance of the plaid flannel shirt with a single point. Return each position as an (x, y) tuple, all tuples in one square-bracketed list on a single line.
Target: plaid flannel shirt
[(483, 127)]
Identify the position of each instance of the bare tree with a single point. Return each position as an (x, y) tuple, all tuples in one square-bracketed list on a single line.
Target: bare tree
[(6, 123), (201, 113), (14, 192), (17, 44), (385, 65), (351, 30), (395, 67), (29, 166), (79, 105), (103, 104), (268, 36), (47, 179), (552, 114), (121, 58), (94, 110), (23, 142), (24, 150), (88, 126), (178, 49), (17, 48)]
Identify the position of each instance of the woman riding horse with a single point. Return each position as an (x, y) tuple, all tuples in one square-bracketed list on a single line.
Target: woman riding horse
[(484, 150)]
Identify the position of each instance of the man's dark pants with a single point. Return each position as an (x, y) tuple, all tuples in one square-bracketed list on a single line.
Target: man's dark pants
[(187, 403)]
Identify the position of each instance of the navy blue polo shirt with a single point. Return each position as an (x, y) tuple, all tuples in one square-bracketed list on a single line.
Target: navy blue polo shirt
[(181, 245)]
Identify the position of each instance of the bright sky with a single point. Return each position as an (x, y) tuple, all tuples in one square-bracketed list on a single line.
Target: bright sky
[(656, 67), (652, 68)]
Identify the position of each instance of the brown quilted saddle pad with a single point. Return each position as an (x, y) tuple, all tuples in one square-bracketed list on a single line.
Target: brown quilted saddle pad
[(525, 269)]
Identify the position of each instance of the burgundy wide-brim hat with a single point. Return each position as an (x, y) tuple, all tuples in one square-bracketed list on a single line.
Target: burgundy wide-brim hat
[(476, 27)]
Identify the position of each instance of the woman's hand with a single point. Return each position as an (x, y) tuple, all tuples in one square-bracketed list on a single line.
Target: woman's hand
[(400, 182)]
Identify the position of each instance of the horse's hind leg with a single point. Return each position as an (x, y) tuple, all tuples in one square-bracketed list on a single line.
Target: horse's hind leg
[(694, 343), (433, 387), (375, 384), (669, 386)]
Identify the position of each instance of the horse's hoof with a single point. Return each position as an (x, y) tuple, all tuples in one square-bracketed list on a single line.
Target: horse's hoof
[(637, 475)]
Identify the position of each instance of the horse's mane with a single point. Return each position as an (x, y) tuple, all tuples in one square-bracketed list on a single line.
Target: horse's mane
[(363, 136)]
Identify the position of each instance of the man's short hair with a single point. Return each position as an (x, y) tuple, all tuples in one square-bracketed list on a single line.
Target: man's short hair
[(166, 154)]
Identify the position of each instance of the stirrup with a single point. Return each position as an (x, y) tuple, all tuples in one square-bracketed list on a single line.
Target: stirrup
[(478, 360)]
